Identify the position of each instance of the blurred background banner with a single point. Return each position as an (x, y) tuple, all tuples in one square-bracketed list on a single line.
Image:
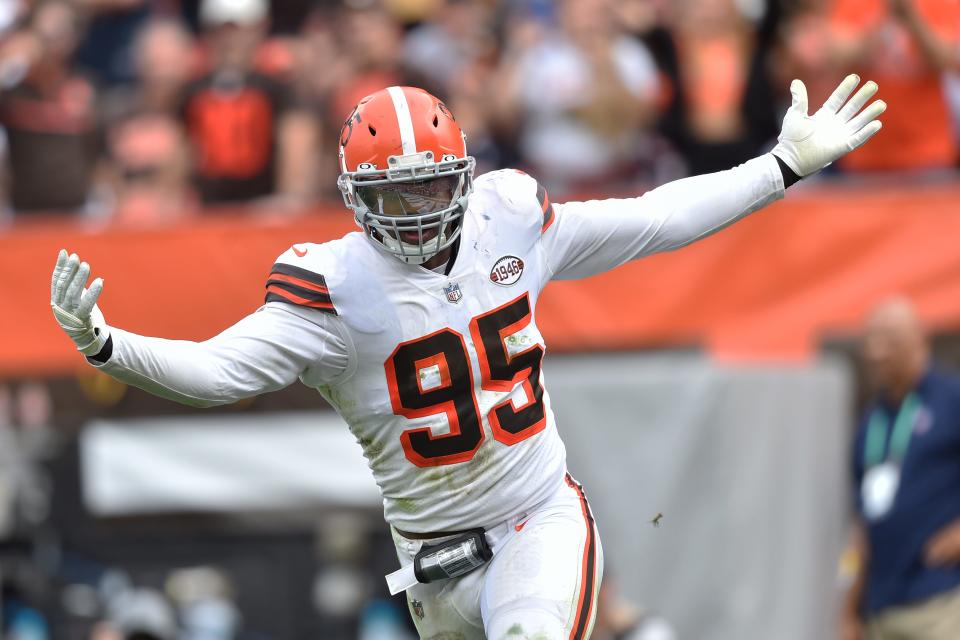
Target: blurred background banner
[(144, 466), (768, 288), (746, 466)]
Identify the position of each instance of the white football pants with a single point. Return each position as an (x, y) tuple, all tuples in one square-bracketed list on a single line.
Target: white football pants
[(541, 584)]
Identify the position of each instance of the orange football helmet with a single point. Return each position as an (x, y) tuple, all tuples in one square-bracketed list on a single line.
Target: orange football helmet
[(405, 172)]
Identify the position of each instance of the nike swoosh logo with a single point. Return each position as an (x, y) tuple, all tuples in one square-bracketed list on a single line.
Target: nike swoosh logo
[(520, 526), (299, 253)]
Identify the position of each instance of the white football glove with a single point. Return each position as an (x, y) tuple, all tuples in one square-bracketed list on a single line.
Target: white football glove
[(74, 307), (810, 143)]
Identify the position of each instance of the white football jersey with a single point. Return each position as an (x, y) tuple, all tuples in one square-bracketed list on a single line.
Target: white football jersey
[(439, 376), (446, 394)]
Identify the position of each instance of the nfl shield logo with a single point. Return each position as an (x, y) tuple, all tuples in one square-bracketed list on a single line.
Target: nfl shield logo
[(453, 292), (417, 607)]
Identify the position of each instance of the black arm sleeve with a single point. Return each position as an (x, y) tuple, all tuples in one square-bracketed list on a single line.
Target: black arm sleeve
[(789, 177)]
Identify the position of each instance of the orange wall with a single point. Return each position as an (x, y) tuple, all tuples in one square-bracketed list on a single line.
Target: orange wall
[(766, 288)]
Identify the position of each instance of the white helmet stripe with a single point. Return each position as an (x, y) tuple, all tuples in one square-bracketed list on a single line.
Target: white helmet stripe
[(403, 118)]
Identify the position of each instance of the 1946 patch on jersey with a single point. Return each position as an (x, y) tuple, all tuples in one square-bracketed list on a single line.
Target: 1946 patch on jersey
[(507, 270)]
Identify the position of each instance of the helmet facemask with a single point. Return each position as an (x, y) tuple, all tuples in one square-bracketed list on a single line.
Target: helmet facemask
[(413, 209)]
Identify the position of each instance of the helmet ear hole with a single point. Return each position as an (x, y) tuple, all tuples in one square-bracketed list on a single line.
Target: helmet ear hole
[(373, 131), (436, 122)]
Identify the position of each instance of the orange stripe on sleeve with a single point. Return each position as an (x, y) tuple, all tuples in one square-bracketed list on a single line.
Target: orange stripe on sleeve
[(300, 282), (287, 296)]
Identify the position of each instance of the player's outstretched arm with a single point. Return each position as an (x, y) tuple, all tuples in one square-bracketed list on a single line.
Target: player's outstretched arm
[(263, 352), (591, 237)]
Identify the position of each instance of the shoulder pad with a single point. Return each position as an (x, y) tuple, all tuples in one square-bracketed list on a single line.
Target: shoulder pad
[(297, 278), (520, 194)]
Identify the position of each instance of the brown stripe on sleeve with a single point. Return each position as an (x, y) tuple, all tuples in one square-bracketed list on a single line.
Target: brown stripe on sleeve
[(546, 207), (298, 272), (301, 287)]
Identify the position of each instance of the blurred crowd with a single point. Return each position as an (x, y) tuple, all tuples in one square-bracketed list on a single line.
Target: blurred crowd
[(146, 111), (194, 604)]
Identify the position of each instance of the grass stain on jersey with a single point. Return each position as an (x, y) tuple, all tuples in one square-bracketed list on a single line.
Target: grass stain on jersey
[(517, 630), (478, 466), (408, 505), (371, 448), (460, 481), (337, 400)]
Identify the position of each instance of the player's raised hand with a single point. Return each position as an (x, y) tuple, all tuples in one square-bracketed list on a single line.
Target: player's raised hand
[(810, 143), (75, 307)]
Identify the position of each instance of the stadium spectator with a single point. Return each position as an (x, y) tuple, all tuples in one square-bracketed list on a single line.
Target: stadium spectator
[(907, 477), (19, 615), (11, 14), (146, 146), (370, 42), (143, 614), (319, 41), (108, 45), (250, 139), (360, 46), (49, 112), (905, 45), (440, 52), (469, 99), (582, 94), (455, 53), (720, 112)]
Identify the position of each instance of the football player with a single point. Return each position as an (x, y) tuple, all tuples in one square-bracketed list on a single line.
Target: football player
[(419, 330)]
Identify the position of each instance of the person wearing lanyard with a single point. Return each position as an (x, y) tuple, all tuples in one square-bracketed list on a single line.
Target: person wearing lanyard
[(906, 470)]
